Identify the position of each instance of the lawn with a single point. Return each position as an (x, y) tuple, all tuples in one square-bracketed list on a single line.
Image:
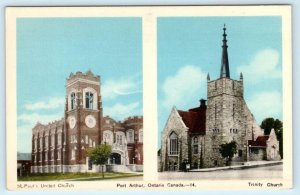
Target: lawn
[(74, 176)]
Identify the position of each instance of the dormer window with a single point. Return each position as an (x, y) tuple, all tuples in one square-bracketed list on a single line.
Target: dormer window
[(89, 100)]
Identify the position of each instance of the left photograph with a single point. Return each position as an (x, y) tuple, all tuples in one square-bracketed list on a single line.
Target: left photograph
[(79, 99)]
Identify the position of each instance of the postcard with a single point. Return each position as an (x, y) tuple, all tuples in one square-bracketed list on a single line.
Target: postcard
[(147, 98)]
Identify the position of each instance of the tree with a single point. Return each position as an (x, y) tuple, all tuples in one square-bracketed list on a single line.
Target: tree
[(99, 155), (227, 150), (270, 123)]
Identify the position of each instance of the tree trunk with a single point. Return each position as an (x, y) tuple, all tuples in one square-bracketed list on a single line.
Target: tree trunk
[(102, 171), (229, 161)]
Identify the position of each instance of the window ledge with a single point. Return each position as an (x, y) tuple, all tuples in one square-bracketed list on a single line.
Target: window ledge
[(173, 154), (91, 110)]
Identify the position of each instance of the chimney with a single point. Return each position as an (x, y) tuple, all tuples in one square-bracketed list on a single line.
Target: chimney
[(202, 102)]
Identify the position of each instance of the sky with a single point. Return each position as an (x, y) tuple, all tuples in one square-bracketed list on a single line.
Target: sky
[(49, 49), (188, 48)]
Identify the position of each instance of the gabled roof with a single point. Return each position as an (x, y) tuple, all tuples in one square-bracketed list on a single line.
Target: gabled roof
[(261, 141), (195, 119)]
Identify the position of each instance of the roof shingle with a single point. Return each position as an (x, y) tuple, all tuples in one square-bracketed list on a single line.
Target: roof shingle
[(195, 119)]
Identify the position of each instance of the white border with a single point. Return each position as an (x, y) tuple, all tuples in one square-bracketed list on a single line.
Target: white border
[(149, 15)]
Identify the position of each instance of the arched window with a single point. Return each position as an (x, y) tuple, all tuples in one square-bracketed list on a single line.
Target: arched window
[(73, 154), (130, 136), (35, 143), (73, 101), (141, 135), (52, 140), (46, 141), (89, 100), (41, 142), (108, 137), (58, 155), (59, 139), (173, 143), (119, 139), (195, 140), (90, 142), (86, 139)]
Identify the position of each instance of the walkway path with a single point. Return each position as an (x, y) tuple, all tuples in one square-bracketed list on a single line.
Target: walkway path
[(246, 165), (266, 172)]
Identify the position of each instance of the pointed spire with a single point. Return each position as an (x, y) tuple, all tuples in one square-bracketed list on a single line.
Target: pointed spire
[(241, 76), (208, 77), (224, 62)]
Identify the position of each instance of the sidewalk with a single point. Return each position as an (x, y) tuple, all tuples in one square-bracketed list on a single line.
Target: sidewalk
[(133, 175), (246, 165)]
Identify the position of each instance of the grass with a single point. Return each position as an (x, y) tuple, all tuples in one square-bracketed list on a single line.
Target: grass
[(74, 176)]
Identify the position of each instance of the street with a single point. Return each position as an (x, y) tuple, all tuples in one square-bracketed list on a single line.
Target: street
[(251, 173)]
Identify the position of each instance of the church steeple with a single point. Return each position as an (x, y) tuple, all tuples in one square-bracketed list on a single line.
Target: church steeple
[(224, 62)]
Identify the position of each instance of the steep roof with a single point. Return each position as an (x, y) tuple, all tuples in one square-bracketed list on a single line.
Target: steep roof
[(261, 141), (195, 119)]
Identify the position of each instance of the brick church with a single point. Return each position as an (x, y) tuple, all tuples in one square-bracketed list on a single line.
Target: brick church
[(194, 136), (61, 145)]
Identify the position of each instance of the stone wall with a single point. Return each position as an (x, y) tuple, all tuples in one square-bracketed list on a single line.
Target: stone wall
[(174, 124), (228, 119), (272, 149), (257, 154), (225, 120), (197, 157)]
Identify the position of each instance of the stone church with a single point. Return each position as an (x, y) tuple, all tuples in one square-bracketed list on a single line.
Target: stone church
[(61, 145), (194, 136)]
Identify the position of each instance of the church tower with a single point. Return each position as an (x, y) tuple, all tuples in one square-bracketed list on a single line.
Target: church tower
[(83, 113), (225, 112)]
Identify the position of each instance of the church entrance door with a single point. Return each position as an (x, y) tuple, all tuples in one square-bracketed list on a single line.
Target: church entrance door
[(115, 158), (272, 153)]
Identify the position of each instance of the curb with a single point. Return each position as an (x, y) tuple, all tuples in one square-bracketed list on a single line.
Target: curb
[(237, 167)]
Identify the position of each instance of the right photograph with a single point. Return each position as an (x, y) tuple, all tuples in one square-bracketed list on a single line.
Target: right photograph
[(220, 97)]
